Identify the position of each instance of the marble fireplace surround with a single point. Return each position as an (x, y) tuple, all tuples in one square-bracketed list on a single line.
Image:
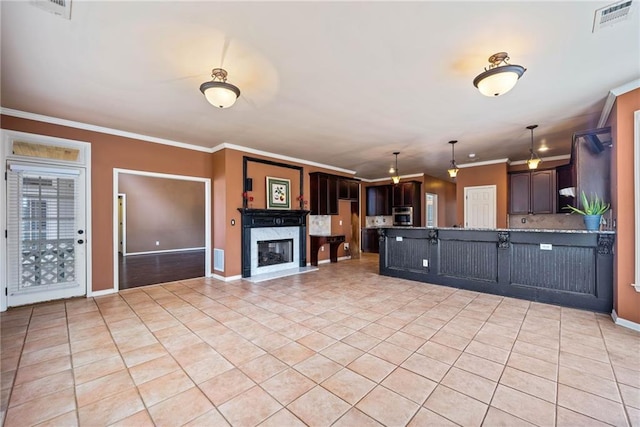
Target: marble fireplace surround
[(272, 224)]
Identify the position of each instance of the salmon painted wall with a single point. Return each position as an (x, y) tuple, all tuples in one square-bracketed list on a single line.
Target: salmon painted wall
[(484, 175), (219, 203), (109, 152), (446, 192), (168, 211), (228, 236), (626, 299)]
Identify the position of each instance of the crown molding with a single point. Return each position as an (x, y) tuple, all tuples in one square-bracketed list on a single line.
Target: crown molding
[(611, 99), (226, 145), (116, 132), (100, 129), (387, 178), (485, 163), (544, 159)]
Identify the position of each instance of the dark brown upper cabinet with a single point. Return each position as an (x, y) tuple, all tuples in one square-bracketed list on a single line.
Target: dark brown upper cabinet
[(379, 200), (324, 194), (348, 189), (532, 192)]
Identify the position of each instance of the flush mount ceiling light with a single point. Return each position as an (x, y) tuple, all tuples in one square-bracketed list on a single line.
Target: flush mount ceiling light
[(500, 77), (453, 168), (534, 160), (218, 92), (396, 177)]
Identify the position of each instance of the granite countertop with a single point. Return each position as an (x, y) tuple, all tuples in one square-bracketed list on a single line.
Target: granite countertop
[(524, 230)]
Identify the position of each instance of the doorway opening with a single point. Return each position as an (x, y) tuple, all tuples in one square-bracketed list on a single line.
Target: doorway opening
[(431, 210), (162, 229)]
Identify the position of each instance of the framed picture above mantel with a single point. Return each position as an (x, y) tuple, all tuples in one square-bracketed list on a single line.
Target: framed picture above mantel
[(278, 193)]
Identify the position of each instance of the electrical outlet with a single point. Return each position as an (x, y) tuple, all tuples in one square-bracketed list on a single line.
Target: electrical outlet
[(425, 263), (321, 248), (340, 222), (346, 246), (157, 243)]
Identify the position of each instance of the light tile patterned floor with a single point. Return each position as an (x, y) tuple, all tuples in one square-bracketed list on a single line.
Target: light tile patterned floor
[(341, 346)]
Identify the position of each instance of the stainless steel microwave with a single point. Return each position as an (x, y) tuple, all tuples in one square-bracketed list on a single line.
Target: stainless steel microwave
[(402, 215)]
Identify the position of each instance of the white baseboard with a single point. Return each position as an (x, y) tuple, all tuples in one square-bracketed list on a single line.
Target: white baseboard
[(102, 292), (164, 251), (624, 323), (226, 279)]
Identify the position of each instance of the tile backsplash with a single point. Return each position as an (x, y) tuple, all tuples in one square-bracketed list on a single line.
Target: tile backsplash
[(320, 225), (378, 221), (547, 221)]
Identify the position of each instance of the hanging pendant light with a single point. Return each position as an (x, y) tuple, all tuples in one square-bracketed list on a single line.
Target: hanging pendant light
[(218, 92), (453, 168), (396, 173), (534, 160), (500, 77)]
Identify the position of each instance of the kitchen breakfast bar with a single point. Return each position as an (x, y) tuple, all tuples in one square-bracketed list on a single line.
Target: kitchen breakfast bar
[(572, 268)]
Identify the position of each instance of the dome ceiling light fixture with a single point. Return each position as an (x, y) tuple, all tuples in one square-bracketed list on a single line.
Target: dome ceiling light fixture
[(500, 77), (453, 168), (396, 173), (218, 92), (534, 160)]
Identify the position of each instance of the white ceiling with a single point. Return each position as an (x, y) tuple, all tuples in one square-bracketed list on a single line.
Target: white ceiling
[(339, 83)]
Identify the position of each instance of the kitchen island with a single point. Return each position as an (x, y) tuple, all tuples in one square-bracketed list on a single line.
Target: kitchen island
[(572, 268)]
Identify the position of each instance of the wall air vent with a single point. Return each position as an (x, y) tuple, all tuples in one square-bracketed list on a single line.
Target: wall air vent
[(612, 14), (218, 259), (57, 7)]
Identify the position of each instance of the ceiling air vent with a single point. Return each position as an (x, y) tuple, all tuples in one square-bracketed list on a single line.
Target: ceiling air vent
[(57, 7), (612, 14)]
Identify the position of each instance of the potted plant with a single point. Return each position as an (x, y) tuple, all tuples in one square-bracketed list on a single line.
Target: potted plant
[(592, 210)]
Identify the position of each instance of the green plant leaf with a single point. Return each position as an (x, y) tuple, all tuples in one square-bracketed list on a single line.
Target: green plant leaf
[(590, 206)]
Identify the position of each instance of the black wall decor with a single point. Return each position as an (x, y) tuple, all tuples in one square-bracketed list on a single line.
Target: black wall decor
[(246, 160)]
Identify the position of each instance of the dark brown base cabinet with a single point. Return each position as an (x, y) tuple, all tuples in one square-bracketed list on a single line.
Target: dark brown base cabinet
[(567, 268), (370, 240)]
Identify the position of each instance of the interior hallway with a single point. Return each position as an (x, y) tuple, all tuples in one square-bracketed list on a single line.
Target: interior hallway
[(342, 346)]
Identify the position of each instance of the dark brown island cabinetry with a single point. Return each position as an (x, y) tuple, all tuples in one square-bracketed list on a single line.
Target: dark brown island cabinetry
[(327, 189), (379, 200), (532, 192)]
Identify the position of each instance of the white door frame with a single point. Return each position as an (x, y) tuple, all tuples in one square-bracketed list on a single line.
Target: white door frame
[(124, 224), (84, 161), (495, 195), (435, 209), (207, 216)]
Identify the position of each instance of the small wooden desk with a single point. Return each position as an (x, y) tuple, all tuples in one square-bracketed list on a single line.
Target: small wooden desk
[(334, 242)]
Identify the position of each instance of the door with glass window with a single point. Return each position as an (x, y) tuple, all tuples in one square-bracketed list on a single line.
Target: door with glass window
[(46, 216)]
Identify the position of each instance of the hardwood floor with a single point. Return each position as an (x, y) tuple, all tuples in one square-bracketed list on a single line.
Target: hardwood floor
[(141, 270)]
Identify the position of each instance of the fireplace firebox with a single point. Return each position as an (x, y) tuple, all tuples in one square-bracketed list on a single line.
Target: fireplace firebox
[(274, 252)]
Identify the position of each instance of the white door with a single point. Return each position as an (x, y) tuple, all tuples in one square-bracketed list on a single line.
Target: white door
[(46, 216), (480, 207)]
